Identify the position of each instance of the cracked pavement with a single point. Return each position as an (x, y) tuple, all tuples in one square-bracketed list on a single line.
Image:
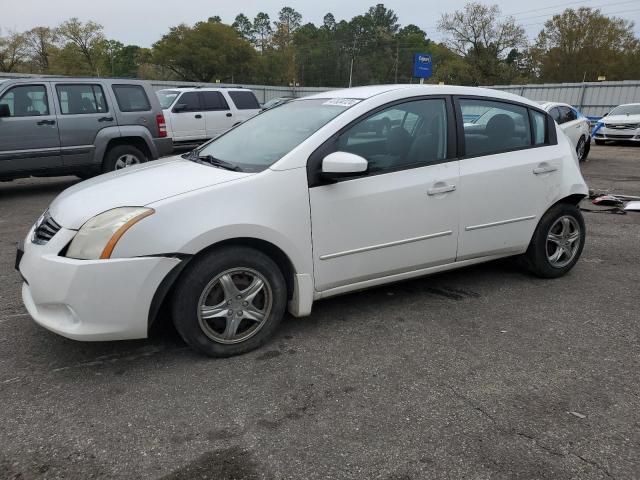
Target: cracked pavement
[(474, 374)]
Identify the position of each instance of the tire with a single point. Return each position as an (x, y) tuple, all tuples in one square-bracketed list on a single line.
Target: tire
[(599, 142), (582, 149), (204, 285), (539, 256), (127, 154)]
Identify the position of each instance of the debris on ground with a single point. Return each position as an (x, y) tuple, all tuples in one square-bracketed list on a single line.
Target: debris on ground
[(577, 414)]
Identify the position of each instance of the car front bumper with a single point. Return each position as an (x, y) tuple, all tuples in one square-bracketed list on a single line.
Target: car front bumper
[(89, 299), (605, 133)]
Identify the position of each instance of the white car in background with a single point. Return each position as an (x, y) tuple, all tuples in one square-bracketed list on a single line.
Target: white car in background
[(620, 124), (303, 202), (573, 123), (194, 115)]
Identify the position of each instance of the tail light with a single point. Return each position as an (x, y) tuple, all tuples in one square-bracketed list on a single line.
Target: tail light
[(162, 125)]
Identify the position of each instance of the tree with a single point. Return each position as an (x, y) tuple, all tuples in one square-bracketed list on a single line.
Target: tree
[(205, 52), (244, 27), (263, 30), (40, 43), (87, 38), (329, 22), (584, 43), (478, 34), (286, 25), (13, 51)]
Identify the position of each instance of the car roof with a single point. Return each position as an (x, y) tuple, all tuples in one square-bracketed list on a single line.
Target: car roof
[(363, 93), (548, 104), (78, 79), (205, 89)]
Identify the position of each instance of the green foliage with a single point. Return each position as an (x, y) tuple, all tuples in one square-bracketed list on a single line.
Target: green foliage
[(481, 47)]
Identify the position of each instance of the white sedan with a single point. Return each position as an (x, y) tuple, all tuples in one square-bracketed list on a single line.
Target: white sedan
[(620, 124), (304, 202), (574, 124)]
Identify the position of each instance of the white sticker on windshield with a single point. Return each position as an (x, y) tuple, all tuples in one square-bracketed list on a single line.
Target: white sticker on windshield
[(342, 102)]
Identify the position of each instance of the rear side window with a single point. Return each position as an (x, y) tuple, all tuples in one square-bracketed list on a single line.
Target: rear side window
[(493, 127), (214, 101), (538, 122), (131, 98), (244, 100), (79, 99), (26, 101)]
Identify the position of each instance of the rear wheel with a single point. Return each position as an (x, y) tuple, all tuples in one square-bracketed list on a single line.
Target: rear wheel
[(557, 242), (122, 156), (230, 301)]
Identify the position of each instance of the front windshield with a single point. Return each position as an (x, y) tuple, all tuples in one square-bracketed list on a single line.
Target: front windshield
[(626, 110), (264, 139), (167, 97)]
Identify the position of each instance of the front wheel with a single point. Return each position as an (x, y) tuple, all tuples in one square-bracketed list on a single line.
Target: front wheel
[(229, 302), (557, 242), (582, 149)]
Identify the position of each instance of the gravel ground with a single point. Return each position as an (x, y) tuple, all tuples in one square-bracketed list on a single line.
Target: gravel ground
[(481, 373)]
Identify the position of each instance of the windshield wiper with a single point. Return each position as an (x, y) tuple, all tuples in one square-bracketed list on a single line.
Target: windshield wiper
[(216, 162)]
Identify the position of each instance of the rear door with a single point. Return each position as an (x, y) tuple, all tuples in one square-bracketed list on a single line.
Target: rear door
[(29, 137), (82, 112), (509, 175), (187, 118), (217, 114)]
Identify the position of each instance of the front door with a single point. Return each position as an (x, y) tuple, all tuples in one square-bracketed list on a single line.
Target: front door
[(402, 215), (187, 119), (507, 178), (29, 137)]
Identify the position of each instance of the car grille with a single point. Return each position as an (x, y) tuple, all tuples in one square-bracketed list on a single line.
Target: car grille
[(619, 136), (46, 228), (623, 126)]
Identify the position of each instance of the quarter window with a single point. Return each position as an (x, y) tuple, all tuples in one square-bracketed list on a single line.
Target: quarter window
[(131, 98), (79, 99), (244, 100), (26, 101), (538, 121), (213, 101), (408, 134), (493, 127)]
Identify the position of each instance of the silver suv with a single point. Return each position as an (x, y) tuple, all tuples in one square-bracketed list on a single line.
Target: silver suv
[(56, 126)]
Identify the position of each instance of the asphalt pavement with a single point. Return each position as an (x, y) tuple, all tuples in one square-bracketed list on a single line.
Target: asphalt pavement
[(481, 373)]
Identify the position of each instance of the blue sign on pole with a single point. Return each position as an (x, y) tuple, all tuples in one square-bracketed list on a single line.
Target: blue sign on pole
[(422, 65)]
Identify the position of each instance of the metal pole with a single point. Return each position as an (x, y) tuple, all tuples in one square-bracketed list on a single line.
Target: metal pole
[(351, 71)]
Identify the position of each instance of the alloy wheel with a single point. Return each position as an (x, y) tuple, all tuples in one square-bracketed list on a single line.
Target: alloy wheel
[(563, 241), (235, 305), (126, 160)]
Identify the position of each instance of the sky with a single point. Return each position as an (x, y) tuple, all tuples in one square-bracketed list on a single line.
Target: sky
[(142, 22)]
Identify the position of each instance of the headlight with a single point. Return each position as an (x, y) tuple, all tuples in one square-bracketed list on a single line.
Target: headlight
[(99, 235)]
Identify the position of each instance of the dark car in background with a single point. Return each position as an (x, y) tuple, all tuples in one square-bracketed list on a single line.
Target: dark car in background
[(78, 126)]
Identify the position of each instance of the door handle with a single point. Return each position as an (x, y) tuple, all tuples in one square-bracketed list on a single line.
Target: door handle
[(228, 114), (442, 189), (198, 116), (105, 119), (46, 122), (544, 169)]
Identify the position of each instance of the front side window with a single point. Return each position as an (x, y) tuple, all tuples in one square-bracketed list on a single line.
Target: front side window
[(244, 100), (188, 102), (131, 98), (213, 101), (259, 142), (78, 99), (407, 134), (26, 101), (497, 127)]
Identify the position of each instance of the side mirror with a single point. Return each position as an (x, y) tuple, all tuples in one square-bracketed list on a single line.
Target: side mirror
[(605, 114), (180, 107), (343, 164), (5, 111)]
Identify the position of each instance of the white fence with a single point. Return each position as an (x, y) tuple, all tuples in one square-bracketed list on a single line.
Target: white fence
[(592, 98)]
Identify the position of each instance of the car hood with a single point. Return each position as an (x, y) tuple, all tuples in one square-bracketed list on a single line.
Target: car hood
[(617, 119), (134, 187)]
